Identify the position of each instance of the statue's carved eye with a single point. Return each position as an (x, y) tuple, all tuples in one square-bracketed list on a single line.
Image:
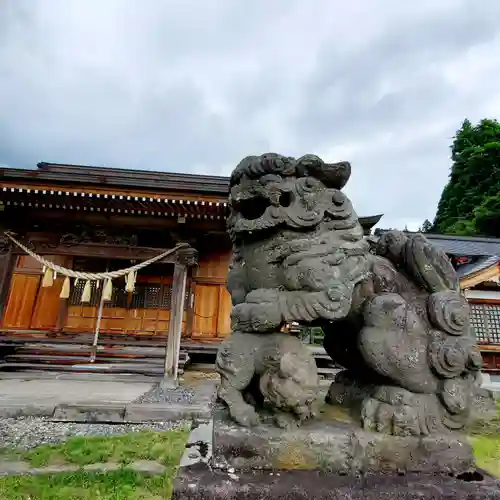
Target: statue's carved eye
[(285, 199)]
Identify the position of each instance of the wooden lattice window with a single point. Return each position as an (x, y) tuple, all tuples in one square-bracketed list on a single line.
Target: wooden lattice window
[(77, 291), (485, 322), (145, 296)]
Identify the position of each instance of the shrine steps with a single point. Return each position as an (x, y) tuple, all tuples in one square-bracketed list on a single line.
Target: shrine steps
[(118, 354), (77, 358)]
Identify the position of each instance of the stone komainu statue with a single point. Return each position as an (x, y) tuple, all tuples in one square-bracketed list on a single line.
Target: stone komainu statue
[(392, 315)]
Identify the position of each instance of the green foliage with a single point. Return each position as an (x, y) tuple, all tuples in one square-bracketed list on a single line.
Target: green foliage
[(426, 227), (469, 203)]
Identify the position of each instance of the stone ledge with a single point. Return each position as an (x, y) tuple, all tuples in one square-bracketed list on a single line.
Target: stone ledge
[(166, 412), (130, 413), (107, 413), (16, 410), (335, 446), (199, 445), (201, 483)]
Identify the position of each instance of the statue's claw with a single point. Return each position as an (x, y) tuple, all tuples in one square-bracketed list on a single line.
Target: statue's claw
[(391, 415), (245, 415)]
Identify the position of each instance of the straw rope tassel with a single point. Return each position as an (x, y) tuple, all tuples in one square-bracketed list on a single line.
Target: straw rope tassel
[(65, 290), (130, 284), (87, 291), (107, 291), (48, 278)]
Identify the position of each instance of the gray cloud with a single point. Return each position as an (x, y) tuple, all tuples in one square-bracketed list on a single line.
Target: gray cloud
[(183, 85)]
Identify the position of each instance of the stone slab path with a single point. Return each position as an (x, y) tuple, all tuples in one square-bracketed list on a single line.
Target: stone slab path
[(19, 468), (69, 391)]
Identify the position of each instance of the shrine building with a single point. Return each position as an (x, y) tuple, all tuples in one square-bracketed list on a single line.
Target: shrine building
[(94, 220)]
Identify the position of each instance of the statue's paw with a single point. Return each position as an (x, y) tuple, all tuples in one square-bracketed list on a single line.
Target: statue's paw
[(245, 416), (305, 413), (251, 317), (387, 418), (285, 420)]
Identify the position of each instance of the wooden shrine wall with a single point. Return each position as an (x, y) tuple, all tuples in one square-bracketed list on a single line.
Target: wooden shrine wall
[(147, 313), (211, 300), (32, 307)]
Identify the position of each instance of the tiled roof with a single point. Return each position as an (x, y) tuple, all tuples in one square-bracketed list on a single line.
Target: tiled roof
[(466, 245)]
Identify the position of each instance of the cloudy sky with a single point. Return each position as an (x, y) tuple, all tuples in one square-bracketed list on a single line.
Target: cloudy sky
[(193, 86)]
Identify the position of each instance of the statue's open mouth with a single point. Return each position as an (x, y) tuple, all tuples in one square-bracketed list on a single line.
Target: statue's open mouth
[(251, 208)]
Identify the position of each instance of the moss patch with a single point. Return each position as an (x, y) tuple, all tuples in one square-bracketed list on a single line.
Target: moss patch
[(295, 455), (335, 412)]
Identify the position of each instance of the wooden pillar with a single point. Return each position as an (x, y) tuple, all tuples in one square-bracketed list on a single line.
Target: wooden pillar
[(190, 303), (7, 260), (186, 257)]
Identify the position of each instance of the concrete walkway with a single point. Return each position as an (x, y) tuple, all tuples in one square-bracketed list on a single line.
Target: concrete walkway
[(58, 392), (105, 399)]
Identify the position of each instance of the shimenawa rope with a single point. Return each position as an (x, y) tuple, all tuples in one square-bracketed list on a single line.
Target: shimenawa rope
[(52, 269)]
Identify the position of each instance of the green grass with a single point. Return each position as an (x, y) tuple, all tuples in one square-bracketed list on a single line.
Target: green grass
[(147, 445), (487, 453), (164, 447), (118, 485), (484, 436), (487, 427)]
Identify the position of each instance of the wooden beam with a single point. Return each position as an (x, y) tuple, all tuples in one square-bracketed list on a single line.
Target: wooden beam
[(190, 303), (98, 250), (7, 261), (175, 323), (480, 277)]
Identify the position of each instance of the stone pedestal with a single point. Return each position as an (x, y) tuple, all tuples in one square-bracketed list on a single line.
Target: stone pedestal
[(332, 443), (327, 458)]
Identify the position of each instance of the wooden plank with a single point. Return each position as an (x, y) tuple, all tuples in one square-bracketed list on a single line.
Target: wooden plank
[(46, 310), (206, 309), (7, 262), (21, 301), (214, 265), (224, 312), (157, 190)]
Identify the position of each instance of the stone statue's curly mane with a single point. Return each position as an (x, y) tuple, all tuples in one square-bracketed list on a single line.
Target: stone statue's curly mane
[(333, 175)]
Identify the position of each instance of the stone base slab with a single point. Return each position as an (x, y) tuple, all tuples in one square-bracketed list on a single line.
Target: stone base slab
[(202, 483), (335, 446), (110, 413)]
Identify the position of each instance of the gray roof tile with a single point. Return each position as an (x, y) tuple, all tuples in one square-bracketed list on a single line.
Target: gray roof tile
[(466, 245)]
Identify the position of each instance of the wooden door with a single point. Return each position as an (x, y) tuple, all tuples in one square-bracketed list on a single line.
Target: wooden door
[(29, 306), (212, 302), (212, 310)]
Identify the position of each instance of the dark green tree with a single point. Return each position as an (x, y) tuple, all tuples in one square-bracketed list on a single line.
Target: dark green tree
[(465, 206), (426, 227)]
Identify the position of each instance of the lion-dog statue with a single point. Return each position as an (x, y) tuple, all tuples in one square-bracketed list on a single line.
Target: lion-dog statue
[(391, 310)]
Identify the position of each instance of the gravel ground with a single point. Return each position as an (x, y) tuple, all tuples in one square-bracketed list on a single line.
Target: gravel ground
[(180, 395), (29, 432)]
